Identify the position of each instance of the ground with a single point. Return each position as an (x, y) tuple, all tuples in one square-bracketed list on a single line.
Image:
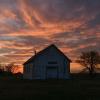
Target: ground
[(74, 89)]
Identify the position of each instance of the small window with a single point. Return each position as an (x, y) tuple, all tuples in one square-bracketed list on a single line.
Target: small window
[(51, 67), (52, 62), (27, 69)]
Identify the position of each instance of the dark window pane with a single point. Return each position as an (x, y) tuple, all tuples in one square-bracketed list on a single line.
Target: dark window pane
[(52, 62)]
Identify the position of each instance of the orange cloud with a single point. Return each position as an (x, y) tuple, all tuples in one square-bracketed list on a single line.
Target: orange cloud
[(26, 25)]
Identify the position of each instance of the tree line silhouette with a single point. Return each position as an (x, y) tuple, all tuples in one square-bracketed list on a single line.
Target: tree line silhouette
[(89, 60), (10, 71)]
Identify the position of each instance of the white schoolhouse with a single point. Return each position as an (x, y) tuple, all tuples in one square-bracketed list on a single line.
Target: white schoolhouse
[(50, 63)]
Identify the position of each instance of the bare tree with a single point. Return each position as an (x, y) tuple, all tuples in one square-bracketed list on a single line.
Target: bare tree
[(1, 68), (15, 68), (9, 67), (89, 60)]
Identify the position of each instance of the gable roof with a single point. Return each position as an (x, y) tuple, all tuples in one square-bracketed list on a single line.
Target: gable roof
[(39, 53)]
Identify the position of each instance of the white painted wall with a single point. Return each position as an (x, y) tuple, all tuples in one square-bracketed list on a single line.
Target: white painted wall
[(38, 66), (28, 75)]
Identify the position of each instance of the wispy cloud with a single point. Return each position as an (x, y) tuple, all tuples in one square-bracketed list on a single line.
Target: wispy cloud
[(74, 25)]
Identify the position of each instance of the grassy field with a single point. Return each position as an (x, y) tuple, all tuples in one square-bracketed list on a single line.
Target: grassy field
[(74, 89)]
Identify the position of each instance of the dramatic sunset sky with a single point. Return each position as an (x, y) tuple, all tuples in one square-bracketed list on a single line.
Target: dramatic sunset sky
[(25, 25)]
